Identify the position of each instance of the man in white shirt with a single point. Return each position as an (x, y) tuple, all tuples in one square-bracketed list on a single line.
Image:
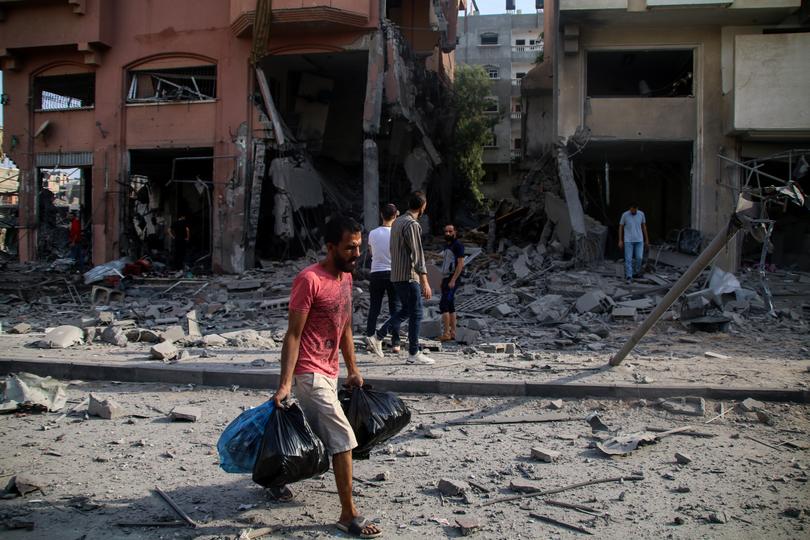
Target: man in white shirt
[(379, 241), (633, 238)]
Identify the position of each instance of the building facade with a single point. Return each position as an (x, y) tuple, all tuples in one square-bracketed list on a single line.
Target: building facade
[(507, 46), (227, 112), (656, 96)]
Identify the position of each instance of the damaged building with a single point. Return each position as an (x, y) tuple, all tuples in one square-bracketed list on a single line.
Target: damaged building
[(251, 119), (677, 106)]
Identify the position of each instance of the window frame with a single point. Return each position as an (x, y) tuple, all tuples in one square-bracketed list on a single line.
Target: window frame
[(38, 91), (485, 35)]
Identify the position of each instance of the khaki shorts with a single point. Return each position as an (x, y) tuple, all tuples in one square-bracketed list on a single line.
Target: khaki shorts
[(317, 395)]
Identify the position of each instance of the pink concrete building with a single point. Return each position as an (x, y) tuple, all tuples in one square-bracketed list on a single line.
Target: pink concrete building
[(250, 117)]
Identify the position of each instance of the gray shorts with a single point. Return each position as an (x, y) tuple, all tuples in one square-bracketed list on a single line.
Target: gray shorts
[(317, 395)]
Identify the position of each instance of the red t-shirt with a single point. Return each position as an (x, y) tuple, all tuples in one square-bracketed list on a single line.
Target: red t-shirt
[(75, 231), (328, 301)]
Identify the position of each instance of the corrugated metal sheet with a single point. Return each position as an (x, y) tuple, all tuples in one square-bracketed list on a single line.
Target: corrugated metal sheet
[(64, 159)]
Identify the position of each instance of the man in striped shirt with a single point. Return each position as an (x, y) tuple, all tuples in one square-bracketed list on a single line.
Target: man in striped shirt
[(409, 277)]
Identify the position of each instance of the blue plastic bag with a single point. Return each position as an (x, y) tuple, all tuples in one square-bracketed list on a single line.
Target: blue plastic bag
[(239, 444)]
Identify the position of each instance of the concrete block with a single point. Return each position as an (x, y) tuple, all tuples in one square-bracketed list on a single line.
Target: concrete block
[(106, 317), (185, 413), (108, 408), (501, 310), (594, 302), (468, 525), (467, 336), (550, 307), (430, 329), (114, 336), (22, 328), (452, 488), (545, 455), (494, 348), (142, 335), (62, 337), (163, 351), (173, 333), (620, 312), (193, 325), (214, 340), (556, 404), (751, 405), (525, 486), (690, 405), (476, 324)]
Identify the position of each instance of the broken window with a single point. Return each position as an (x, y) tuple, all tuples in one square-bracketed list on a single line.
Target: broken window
[(65, 92), (489, 38), (491, 104), (173, 84), (493, 72), (640, 73)]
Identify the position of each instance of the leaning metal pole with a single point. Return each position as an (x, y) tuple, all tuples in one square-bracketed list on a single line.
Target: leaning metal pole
[(703, 260)]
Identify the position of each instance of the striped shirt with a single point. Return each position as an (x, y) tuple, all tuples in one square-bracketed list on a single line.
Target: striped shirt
[(407, 257)]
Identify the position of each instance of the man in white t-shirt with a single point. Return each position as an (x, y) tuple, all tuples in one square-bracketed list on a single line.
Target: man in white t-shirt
[(379, 241), (632, 239)]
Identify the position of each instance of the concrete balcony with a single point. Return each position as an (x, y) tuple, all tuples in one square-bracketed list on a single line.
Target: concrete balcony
[(526, 52), (28, 25), (301, 15), (642, 118)]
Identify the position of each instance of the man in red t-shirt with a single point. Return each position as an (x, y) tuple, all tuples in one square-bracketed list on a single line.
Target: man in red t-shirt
[(75, 240), (320, 323)]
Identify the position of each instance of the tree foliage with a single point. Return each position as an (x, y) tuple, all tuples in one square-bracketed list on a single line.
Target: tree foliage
[(473, 126)]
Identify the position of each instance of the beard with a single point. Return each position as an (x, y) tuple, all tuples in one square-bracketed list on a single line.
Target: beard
[(449, 238), (346, 265)]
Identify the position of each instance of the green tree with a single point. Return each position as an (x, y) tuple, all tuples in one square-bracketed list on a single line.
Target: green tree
[(473, 126)]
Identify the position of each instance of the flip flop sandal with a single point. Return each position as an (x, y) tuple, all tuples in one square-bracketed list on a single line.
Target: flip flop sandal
[(355, 528), (281, 494)]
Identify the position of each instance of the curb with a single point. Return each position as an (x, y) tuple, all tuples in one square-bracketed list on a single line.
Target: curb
[(258, 378)]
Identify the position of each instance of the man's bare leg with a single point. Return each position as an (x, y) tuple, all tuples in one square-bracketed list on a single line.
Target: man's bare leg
[(342, 466)]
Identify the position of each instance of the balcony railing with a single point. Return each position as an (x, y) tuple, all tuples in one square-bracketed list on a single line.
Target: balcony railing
[(516, 154), (527, 48), (516, 82), (516, 115)]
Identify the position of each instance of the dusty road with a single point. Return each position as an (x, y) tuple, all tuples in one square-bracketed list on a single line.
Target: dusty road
[(97, 473)]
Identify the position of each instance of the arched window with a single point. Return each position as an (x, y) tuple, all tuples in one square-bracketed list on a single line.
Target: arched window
[(172, 79), (489, 38), (64, 87)]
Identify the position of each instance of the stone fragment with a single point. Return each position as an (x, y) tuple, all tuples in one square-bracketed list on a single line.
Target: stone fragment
[(524, 486), (259, 362), (718, 517), (144, 335), (792, 512), (106, 317), (214, 340), (415, 452), (383, 476), (683, 459), (765, 417), (620, 312), (690, 405), (751, 405), (163, 351), (430, 328), (173, 333), (493, 348), (452, 488), (22, 328), (248, 338), (467, 525), (543, 454), (62, 337), (501, 310), (710, 354), (114, 336), (92, 333), (551, 307), (185, 413), (476, 324), (108, 408), (193, 324), (467, 335), (166, 320), (556, 404), (594, 302), (596, 423), (434, 434), (244, 285)]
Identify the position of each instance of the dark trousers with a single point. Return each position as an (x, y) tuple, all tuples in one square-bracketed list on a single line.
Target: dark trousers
[(179, 254), (410, 294), (447, 302), (380, 285)]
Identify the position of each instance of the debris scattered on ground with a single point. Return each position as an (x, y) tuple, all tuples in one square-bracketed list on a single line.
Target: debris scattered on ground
[(107, 408), (30, 392)]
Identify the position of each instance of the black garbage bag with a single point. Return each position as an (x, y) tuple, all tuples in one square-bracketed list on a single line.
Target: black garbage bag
[(374, 416), (290, 451)]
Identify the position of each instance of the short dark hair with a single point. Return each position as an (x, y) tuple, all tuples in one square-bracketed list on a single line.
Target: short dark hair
[(416, 201), (337, 225), (389, 211)]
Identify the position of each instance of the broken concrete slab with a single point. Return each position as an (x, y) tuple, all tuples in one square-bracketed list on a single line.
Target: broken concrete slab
[(525, 486), (106, 317), (467, 335), (62, 337), (185, 413), (594, 302), (710, 354), (214, 340), (107, 408), (193, 324), (501, 310), (173, 333), (248, 338), (29, 391), (751, 405), (682, 458), (620, 312), (430, 328), (689, 405), (555, 404), (468, 525), (545, 455), (142, 335), (22, 328), (452, 488), (163, 351), (551, 307), (114, 336), (243, 285)]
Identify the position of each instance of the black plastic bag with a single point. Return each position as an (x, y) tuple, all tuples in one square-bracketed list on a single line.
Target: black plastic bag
[(290, 450), (374, 416)]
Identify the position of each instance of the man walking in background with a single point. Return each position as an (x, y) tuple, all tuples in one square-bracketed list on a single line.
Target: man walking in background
[(409, 274), (632, 239), (452, 266), (75, 240), (379, 246)]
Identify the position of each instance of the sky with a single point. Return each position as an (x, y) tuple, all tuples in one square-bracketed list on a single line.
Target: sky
[(492, 7)]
